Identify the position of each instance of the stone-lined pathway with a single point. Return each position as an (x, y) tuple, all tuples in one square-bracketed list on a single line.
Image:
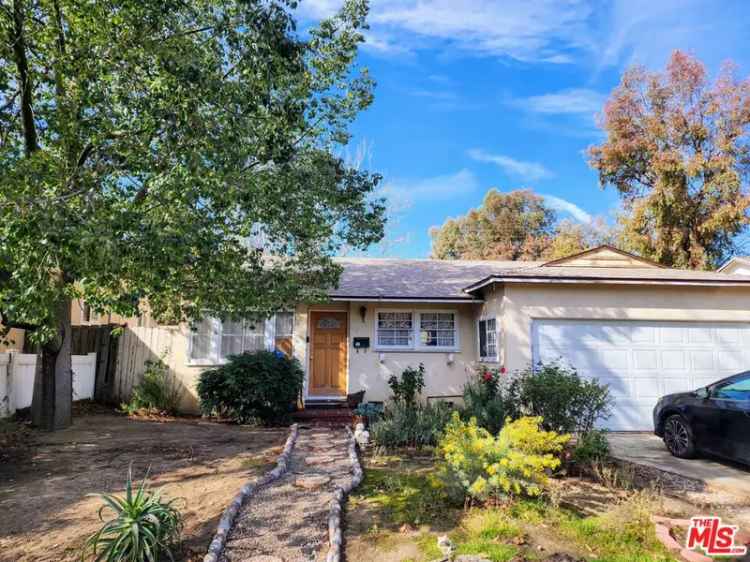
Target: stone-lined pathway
[(287, 521)]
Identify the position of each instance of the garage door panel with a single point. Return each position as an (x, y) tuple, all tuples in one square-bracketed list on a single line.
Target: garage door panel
[(618, 387), (646, 359), (729, 361), (726, 336), (643, 334), (701, 335), (674, 359), (671, 385), (702, 360), (642, 361), (672, 335), (647, 388)]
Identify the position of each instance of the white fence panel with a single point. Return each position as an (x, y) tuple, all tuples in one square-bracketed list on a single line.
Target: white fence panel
[(5, 387), (84, 373), (23, 368), (17, 372)]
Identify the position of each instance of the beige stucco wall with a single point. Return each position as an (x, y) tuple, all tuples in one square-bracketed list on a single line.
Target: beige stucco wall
[(522, 303), (370, 369), (515, 306)]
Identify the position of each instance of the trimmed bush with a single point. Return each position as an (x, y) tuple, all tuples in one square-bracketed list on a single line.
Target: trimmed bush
[(262, 386), (144, 528), (566, 402), (404, 425), (484, 467), (158, 391)]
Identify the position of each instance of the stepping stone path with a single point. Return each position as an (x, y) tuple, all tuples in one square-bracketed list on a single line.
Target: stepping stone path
[(287, 520)]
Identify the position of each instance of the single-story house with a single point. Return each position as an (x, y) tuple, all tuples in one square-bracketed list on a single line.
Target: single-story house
[(644, 329)]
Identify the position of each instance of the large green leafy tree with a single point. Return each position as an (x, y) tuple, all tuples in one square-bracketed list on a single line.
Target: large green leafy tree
[(678, 153), (172, 153)]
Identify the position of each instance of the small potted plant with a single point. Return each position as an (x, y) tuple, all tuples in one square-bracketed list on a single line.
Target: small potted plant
[(368, 413)]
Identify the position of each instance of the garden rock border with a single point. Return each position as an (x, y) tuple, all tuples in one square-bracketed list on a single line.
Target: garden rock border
[(335, 534), (227, 520)]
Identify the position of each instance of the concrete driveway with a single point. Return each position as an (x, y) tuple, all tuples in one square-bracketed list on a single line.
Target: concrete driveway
[(648, 450)]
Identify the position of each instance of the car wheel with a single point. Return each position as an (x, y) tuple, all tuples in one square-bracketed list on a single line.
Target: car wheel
[(678, 437)]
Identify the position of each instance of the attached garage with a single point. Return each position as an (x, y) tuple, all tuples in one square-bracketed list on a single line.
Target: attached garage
[(642, 361)]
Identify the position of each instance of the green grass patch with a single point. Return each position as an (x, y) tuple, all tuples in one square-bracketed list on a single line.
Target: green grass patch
[(411, 497), (398, 491)]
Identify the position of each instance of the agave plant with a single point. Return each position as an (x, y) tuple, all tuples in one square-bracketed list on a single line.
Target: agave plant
[(144, 528)]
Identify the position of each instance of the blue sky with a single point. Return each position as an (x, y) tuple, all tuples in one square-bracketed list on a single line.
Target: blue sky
[(476, 94)]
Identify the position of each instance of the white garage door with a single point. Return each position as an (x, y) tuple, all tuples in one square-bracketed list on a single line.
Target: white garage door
[(642, 361)]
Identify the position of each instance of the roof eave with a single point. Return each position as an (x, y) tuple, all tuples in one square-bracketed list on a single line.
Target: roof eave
[(607, 281), (379, 298), (733, 260)]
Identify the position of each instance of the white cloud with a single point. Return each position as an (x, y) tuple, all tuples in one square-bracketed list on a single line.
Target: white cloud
[(439, 95), (540, 31), (567, 207), (531, 171), (646, 32), (403, 193), (598, 34), (572, 101)]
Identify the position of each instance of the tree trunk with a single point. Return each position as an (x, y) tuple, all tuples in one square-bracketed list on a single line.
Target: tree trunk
[(51, 408)]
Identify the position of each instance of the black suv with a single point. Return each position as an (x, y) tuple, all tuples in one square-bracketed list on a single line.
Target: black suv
[(714, 419)]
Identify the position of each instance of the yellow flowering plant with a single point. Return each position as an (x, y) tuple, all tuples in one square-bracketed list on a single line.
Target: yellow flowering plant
[(515, 463)]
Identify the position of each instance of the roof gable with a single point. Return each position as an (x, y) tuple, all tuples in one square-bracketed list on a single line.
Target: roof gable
[(741, 263), (604, 256)]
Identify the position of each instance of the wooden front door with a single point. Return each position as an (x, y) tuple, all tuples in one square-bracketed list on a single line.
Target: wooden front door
[(328, 353)]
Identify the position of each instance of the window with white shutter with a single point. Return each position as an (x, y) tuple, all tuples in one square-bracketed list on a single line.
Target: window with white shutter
[(488, 348)]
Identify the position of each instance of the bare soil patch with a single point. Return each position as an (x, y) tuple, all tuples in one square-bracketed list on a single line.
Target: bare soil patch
[(46, 479)]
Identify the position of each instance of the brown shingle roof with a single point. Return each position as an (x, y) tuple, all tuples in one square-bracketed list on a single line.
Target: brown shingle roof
[(384, 278), (392, 279)]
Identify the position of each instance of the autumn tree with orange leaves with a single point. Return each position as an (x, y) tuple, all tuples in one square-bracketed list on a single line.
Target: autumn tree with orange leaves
[(678, 152)]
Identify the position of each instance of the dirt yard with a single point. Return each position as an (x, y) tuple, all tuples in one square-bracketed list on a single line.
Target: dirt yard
[(46, 479)]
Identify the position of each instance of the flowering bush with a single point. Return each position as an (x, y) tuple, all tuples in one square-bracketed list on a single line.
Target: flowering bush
[(408, 389), (484, 400), (485, 467)]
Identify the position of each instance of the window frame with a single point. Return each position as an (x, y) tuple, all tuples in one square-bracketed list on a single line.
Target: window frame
[(488, 358), (416, 322), (215, 341), (376, 320)]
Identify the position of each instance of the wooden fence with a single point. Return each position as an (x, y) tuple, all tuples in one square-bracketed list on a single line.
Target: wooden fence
[(121, 353), (135, 347)]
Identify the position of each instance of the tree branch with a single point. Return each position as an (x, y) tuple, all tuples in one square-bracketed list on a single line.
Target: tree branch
[(18, 41)]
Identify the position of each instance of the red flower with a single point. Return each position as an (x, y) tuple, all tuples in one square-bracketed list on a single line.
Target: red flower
[(487, 376), (502, 370)]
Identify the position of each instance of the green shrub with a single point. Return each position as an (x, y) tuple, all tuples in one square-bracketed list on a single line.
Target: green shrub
[(404, 425), (158, 391), (484, 401), (409, 387), (592, 447), (565, 401), (484, 467), (145, 528), (252, 387)]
